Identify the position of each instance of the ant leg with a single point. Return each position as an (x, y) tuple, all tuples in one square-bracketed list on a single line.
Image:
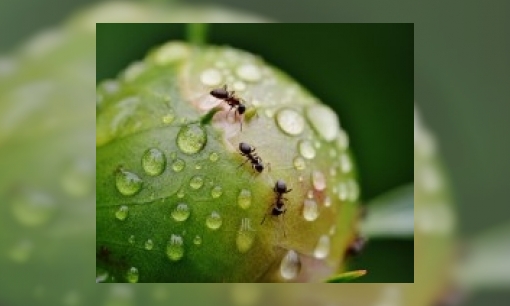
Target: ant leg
[(226, 116), (283, 223), (263, 219), (247, 160)]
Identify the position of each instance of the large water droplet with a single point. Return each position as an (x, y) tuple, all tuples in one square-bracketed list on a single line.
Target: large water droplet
[(290, 265), (310, 210), (299, 163), (211, 77), (33, 208), (323, 120), (181, 212), (149, 244), (290, 121), (244, 199), (197, 240), (153, 162), (175, 248), (322, 247), (122, 212), (191, 138), (245, 236), (318, 180), (132, 275), (249, 72), (128, 183), (216, 192), (21, 251), (178, 165), (306, 149), (214, 221), (214, 156), (196, 182)]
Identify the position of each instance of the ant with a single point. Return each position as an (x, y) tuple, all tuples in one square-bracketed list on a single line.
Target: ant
[(278, 207), (249, 152), (231, 99)]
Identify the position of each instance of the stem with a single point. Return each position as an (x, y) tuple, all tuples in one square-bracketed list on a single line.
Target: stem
[(197, 33)]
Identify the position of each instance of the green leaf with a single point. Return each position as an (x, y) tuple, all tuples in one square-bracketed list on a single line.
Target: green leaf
[(346, 277)]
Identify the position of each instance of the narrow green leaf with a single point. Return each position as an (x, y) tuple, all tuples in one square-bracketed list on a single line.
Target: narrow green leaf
[(346, 277)]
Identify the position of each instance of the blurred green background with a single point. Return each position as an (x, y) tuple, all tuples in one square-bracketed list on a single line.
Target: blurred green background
[(363, 71)]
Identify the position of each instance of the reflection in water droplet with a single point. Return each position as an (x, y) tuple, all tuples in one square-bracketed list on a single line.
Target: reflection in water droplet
[(244, 199), (197, 240), (306, 149), (211, 77), (213, 156), (21, 251), (122, 213), (178, 165), (216, 192), (290, 121), (153, 162), (175, 248), (149, 244), (318, 180), (196, 182), (214, 221), (131, 239), (249, 72), (191, 139), (132, 275), (181, 212), (322, 247), (290, 265), (323, 120), (128, 183), (33, 208), (310, 210), (299, 163), (245, 236)]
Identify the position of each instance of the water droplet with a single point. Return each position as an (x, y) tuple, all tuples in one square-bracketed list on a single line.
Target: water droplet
[(79, 178), (342, 192), (324, 121), (134, 70), (290, 121), (198, 166), (318, 180), (299, 163), (327, 201), (180, 193), (131, 239), (197, 240), (153, 162), (21, 251), (191, 139), (181, 212), (170, 52), (216, 192), (290, 265), (310, 210), (169, 117), (249, 72), (213, 156), (245, 236), (178, 165), (33, 208), (353, 190), (244, 199), (196, 182), (342, 140), (322, 247), (239, 86), (214, 221), (132, 275), (175, 248), (128, 183), (122, 213), (345, 163), (306, 149), (211, 77), (149, 244)]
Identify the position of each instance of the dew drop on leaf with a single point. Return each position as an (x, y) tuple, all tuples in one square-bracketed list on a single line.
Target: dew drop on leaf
[(175, 248), (191, 139), (128, 183), (290, 265), (153, 162)]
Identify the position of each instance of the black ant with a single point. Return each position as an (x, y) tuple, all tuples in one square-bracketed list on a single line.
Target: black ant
[(249, 152), (231, 99), (278, 207)]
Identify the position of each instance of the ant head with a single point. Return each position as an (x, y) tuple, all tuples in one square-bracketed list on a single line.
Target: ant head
[(259, 167), (219, 93), (280, 186), (241, 109), (244, 147)]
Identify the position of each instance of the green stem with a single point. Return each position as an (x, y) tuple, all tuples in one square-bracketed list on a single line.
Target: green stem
[(197, 33)]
